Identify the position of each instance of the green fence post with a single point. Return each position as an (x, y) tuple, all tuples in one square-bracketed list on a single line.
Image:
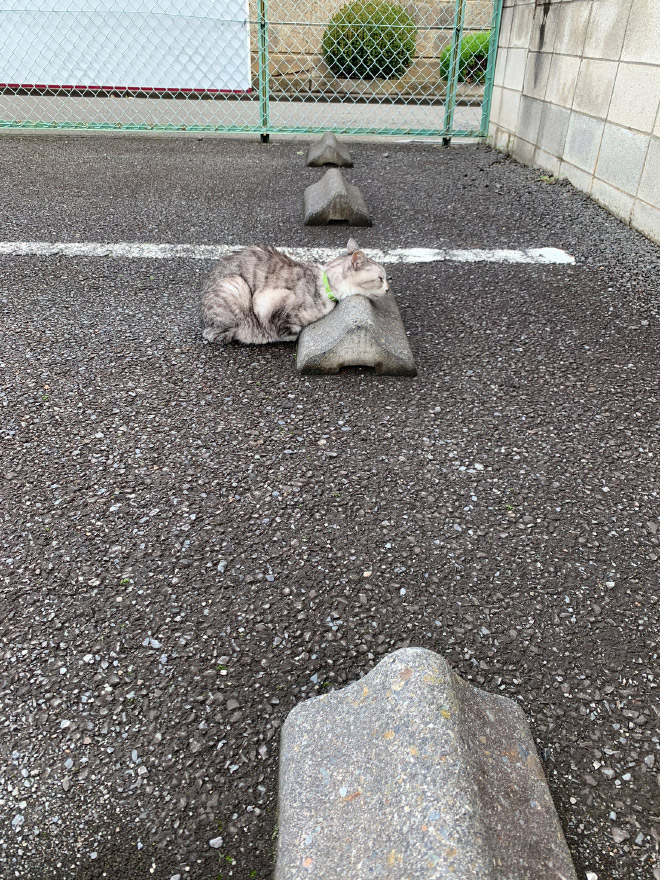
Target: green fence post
[(263, 70), (490, 66), (454, 67)]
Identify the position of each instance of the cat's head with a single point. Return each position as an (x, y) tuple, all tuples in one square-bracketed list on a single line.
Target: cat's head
[(359, 274)]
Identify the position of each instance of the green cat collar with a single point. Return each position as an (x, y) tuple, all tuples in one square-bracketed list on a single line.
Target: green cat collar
[(326, 284)]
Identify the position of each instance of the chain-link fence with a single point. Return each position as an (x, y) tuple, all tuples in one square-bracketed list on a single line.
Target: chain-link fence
[(263, 66)]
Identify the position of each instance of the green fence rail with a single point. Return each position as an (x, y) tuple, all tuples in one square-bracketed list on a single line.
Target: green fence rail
[(368, 67)]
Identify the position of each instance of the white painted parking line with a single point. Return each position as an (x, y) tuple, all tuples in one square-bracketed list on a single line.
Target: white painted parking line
[(146, 251)]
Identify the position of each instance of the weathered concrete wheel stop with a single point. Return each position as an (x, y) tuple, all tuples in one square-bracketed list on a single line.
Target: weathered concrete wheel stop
[(358, 333), (333, 200), (329, 151), (413, 773)]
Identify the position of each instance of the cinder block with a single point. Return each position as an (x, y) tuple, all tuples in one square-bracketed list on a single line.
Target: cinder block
[(621, 158), (505, 25), (553, 128), (649, 187), (358, 332), (478, 15), (646, 219), (500, 67), (583, 140), (413, 772), (572, 23), (642, 39), (607, 29), (594, 87), (428, 14), (580, 179), (515, 69), (562, 80), (495, 103), (521, 26), (537, 73), (547, 161), (523, 151), (334, 200), (544, 27), (529, 119), (509, 109), (329, 151), (636, 95), (615, 200), (502, 140)]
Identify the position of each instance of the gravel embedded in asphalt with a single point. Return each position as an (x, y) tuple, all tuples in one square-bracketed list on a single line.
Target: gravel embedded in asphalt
[(195, 539)]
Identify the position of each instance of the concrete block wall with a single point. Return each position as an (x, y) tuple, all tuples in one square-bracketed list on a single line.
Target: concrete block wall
[(577, 93)]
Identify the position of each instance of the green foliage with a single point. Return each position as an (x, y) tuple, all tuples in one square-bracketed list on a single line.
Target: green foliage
[(473, 58), (369, 40)]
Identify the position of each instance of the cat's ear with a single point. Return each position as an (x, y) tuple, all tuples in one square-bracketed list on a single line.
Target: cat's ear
[(352, 246), (358, 260)]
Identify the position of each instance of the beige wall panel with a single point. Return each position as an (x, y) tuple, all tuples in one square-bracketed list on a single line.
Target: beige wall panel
[(572, 26), (607, 29), (521, 26), (562, 80), (509, 108), (646, 218), (583, 140), (636, 96), (642, 39), (505, 25), (621, 158), (547, 161), (515, 68), (500, 66), (617, 202), (580, 179), (594, 86), (536, 74), (523, 151), (544, 28), (649, 187)]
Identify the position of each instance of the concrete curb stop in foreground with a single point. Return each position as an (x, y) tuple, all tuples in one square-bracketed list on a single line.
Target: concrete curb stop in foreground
[(358, 332), (329, 151), (414, 773), (333, 200)]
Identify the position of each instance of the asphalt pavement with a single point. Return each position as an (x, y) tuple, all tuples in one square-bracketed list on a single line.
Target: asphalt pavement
[(195, 539)]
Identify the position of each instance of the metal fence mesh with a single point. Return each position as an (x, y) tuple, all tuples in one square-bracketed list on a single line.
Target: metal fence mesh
[(422, 68)]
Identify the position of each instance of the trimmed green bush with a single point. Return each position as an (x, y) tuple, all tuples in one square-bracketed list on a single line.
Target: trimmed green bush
[(473, 58), (370, 40)]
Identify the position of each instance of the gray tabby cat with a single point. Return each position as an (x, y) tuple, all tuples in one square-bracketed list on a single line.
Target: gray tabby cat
[(260, 295)]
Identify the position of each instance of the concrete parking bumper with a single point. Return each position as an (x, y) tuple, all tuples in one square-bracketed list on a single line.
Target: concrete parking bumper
[(357, 333), (413, 772)]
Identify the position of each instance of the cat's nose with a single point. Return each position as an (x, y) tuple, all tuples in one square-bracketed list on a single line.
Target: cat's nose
[(386, 286)]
